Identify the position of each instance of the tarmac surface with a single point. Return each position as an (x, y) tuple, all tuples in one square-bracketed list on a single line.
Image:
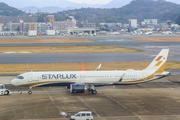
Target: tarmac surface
[(155, 100), (151, 49)]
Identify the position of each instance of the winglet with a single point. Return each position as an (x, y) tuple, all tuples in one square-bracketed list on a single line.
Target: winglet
[(97, 69)]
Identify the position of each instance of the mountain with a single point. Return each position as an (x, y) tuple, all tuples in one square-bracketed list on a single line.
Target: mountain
[(174, 1), (136, 9), (116, 3), (41, 3), (9, 11), (33, 9), (151, 9)]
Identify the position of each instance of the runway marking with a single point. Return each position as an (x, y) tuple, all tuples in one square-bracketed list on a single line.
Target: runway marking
[(114, 40), (24, 92), (124, 107), (53, 102), (88, 106)]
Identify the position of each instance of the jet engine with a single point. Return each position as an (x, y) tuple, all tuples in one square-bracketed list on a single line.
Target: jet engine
[(77, 88)]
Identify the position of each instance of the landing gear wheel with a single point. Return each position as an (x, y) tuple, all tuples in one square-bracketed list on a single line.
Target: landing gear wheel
[(6, 92), (30, 92), (94, 92)]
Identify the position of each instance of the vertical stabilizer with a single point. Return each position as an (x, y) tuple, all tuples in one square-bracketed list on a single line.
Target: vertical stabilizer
[(158, 64)]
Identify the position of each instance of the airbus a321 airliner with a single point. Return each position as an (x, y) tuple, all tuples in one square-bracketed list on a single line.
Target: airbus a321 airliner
[(79, 81)]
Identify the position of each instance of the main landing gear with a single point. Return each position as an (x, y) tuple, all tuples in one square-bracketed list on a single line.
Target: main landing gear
[(91, 89), (30, 90)]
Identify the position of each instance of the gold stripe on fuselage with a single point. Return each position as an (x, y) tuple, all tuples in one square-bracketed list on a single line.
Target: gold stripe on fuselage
[(42, 83), (159, 71)]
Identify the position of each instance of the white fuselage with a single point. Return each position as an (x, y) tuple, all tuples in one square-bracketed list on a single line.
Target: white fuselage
[(88, 77)]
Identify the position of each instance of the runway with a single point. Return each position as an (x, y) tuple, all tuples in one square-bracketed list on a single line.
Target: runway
[(151, 49), (155, 100)]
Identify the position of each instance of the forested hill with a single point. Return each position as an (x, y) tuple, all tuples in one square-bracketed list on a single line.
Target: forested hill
[(137, 9), (9, 11)]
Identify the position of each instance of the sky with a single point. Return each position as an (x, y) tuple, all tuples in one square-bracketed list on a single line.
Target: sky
[(92, 1), (107, 1), (59, 3)]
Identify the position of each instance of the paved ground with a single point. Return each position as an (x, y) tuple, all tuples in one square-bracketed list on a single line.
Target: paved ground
[(157, 100), (151, 49)]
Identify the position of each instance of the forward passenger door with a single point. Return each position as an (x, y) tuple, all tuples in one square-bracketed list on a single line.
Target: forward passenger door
[(30, 78)]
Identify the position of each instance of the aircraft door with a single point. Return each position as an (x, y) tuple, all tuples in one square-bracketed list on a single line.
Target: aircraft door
[(30, 78)]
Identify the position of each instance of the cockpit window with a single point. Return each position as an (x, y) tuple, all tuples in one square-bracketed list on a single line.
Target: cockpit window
[(20, 77)]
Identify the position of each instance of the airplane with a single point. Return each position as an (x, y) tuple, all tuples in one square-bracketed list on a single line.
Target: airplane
[(80, 81)]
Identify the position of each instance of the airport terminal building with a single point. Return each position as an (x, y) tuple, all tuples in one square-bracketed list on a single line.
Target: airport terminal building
[(83, 31)]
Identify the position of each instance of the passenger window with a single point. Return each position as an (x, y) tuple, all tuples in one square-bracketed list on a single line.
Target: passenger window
[(83, 114), (1, 86), (88, 114)]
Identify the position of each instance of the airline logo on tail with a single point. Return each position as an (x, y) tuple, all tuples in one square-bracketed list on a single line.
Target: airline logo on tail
[(158, 59)]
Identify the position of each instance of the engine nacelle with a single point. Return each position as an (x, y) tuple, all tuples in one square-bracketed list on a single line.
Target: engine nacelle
[(77, 88)]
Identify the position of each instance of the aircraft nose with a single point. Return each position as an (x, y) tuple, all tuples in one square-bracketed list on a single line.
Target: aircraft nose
[(14, 82)]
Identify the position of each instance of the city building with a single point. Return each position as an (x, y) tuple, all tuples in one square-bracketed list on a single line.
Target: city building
[(125, 26), (26, 26), (43, 27), (111, 24), (32, 26), (174, 25), (1, 27), (8, 33), (150, 22), (63, 25), (82, 31), (12, 26), (164, 27), (85, 24), (49, 18), (133, 23)]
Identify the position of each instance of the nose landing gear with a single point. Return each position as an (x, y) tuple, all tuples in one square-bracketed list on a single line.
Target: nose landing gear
[(30, 90)]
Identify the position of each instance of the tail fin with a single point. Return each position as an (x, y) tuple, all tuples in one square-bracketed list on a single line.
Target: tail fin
[(159, 62)]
